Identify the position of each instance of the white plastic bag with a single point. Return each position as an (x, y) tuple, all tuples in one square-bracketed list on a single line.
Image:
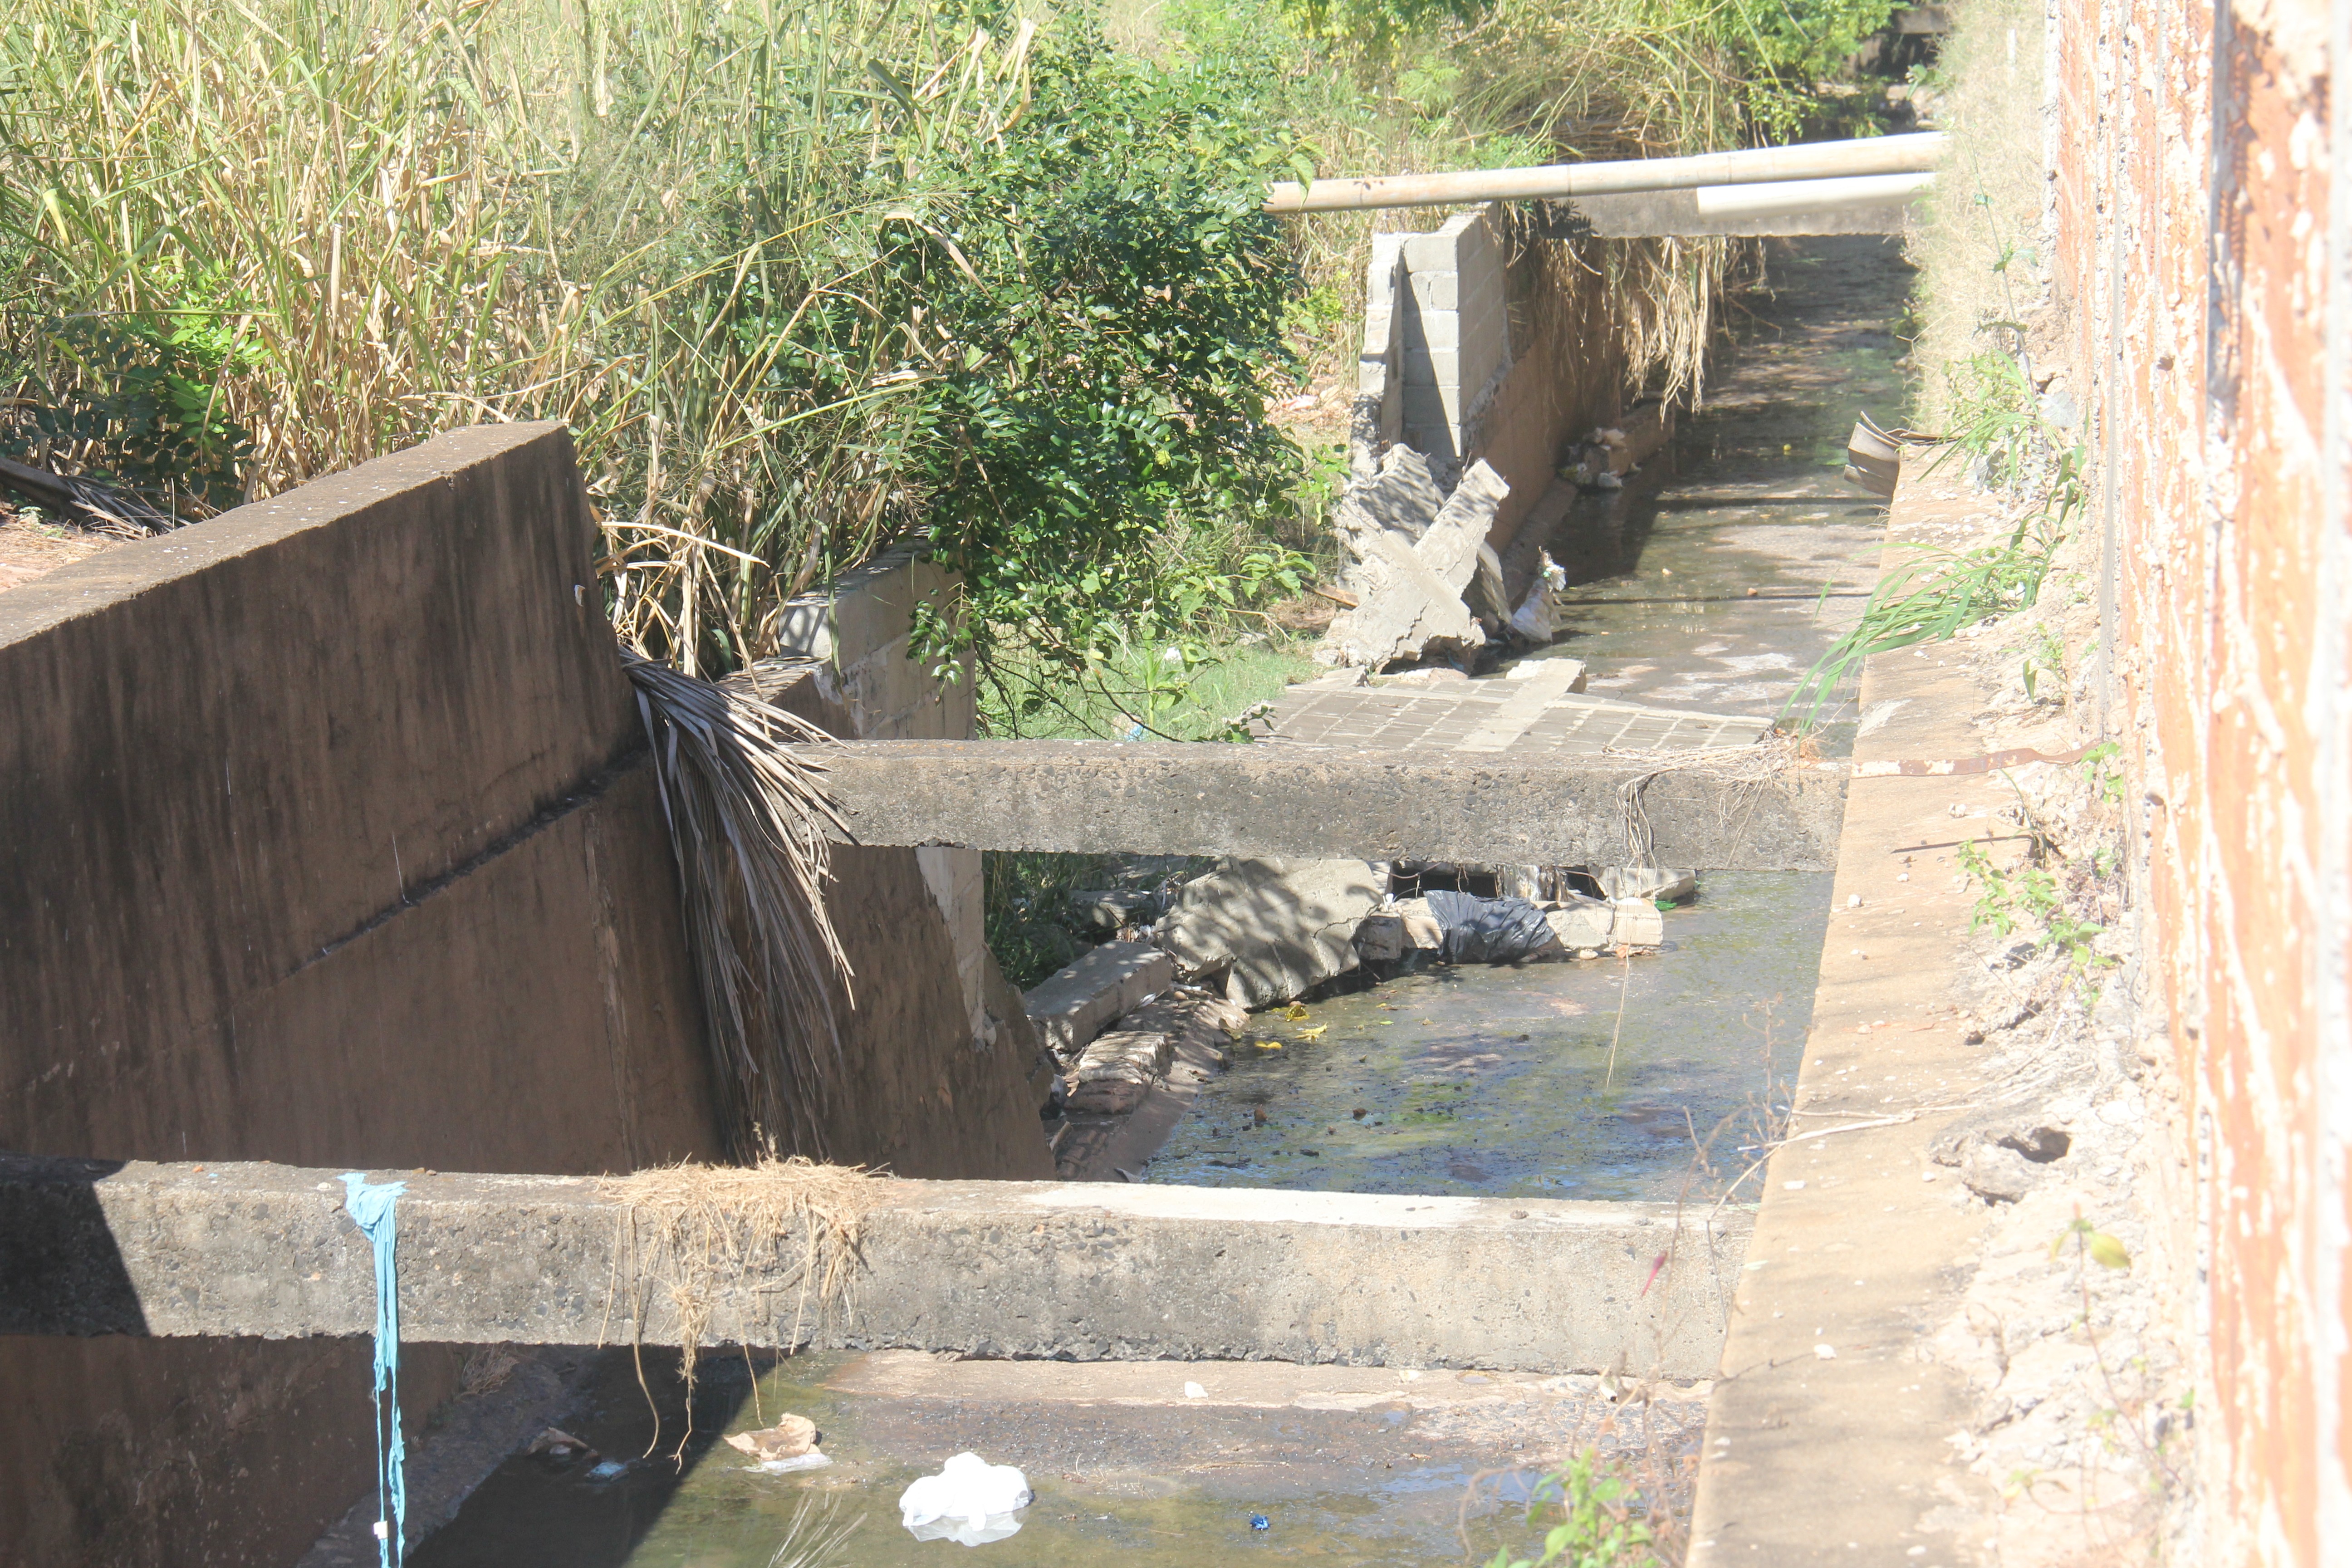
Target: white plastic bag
[(970, 1502)]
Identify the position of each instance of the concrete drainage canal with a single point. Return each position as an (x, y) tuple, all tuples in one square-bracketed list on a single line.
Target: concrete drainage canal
[(1640, 1073)]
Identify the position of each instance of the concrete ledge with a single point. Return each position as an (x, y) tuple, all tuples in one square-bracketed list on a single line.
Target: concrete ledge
[(1009, 1268), (1317, 803), (1073, 1005)]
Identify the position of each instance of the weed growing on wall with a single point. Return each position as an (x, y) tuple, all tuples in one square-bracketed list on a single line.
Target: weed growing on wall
[(2003, 435)]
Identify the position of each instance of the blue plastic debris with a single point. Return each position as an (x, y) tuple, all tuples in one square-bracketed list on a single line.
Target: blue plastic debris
[(1259, 1522), (371, 1206)]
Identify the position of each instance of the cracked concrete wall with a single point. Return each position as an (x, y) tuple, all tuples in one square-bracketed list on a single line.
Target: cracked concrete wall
[(326, 836), (2203, 249)]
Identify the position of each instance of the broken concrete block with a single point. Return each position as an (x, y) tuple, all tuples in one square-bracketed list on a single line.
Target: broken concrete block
[(1635, 922), (1115, 1072), (1593, 925), (1379, 939), (1276, 928), (1401, 498), (1403, 611), (1454, 547), (1074, 1005)]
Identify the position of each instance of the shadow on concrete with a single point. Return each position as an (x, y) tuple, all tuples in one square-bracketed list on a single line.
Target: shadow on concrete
[(60, 1270)]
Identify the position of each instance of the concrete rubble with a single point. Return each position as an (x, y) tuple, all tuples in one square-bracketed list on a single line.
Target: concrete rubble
[(1422, 574), (1273, 929), (1128, 1090), (1073, 1005), (1405, 933), (1112, 1074)]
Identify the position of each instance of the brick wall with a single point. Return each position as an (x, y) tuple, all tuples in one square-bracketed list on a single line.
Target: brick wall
[(2200, 250)]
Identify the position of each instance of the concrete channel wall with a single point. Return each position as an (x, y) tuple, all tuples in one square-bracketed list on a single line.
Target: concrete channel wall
[(937, 1053), (329, 835), (326, 836)]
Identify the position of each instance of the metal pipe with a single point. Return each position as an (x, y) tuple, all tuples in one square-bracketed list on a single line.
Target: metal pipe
[(1908, 155), (1784, 198)]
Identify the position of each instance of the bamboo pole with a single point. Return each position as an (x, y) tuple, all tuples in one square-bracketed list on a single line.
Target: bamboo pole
[(1914, 153)]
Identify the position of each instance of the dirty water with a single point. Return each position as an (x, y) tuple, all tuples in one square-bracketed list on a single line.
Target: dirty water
[(1346, 1465), (1497, 1081)]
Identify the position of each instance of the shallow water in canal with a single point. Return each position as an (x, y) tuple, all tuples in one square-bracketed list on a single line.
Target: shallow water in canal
[(1496, 1081)]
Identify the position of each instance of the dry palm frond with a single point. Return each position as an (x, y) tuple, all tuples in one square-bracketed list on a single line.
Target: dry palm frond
[(791, 1224), (748, 821)]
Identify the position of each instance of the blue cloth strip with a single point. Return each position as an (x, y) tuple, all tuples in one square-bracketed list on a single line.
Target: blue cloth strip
[(370, 1205)]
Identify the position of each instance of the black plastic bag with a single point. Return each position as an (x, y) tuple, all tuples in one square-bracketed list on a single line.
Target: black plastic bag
[(1486, 931)]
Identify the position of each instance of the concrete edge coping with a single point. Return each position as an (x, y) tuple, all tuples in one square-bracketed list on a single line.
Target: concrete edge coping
[(1015, 1269)]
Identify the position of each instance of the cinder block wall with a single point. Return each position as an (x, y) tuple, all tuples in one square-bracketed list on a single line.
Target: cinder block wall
[(326, 836), (2201, 267), (1473, 349), (1456, 336)]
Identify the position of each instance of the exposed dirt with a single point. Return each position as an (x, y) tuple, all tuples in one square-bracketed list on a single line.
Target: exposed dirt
[(2070, 1347), (31, 548)]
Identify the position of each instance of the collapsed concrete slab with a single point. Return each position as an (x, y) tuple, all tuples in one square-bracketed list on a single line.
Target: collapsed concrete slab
[(1399, 496), (1403, 611), (1072, 1006), (1454, 547), (1274, 929), (1421, 570), (988, 1268), (1322, 802)]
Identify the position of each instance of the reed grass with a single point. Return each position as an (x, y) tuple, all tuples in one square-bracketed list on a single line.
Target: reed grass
[(334, 229)]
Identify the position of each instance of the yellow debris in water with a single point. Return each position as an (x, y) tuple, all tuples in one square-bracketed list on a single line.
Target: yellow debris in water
[(1269, 1045), (1296, 1012), (1314, 1034)]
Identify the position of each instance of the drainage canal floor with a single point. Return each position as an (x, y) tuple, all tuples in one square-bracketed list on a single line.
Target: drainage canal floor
[(1346, 1465), (1497, 1081)]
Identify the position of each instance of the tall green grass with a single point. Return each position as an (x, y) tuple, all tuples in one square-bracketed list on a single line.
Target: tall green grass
[(322, 231)]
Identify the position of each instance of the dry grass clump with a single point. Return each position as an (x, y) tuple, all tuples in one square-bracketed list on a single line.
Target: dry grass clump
[(693, 1231), (1982, 243)]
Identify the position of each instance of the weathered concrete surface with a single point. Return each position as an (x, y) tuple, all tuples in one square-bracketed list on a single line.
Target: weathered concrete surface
[(324, 836), (1072, 1006), (1317, 803), (992, 1268), (1273, 928), (1853, 1249)]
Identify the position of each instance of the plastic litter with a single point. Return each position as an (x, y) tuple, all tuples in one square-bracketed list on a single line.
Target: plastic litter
[(790, 1437), (812, 1460), (970, 1502), (371, 1207), (1486, 931), (1259, 1522), (609, 1470)]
